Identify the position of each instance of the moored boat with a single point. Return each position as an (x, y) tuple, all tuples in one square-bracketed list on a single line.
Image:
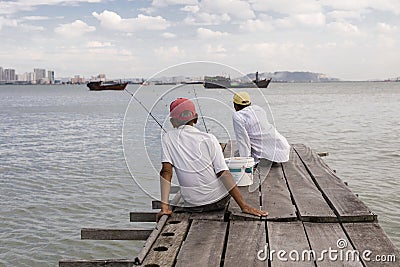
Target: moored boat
[(224, 82), (109, 85)]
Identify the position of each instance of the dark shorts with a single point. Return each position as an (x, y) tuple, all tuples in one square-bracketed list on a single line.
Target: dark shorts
[(219, 205)]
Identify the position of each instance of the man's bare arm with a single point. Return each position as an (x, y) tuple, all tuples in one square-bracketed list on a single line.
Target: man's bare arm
[(165, 186)]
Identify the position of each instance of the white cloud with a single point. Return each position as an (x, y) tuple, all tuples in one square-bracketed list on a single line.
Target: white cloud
[(392, 6), (35, 18), (341, 15), (343, 27), (310, 19), (30, 28), (264, 24), (168, 53), (168, 35), (12, 7), (164, 3), (202, 18), (211, 12), (74, 29), (191, 9), (216, 51), (96, 44), (287, 6), (209, 34), (234, 8), (385, 28), (112, 21), (7, 22)]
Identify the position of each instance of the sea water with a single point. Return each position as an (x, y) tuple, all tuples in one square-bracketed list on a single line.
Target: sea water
[(63, 151)]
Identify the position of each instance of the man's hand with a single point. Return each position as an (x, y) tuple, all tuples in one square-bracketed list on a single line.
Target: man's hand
[(250, 210), (163, 212)]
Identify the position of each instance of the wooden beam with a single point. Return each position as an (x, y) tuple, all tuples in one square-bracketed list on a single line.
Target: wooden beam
[(309, 201), (287, 236), (115, 234), (276, 196), (346, 204), (323, 154), (96, 263), (371, 237), (244, 241), (204, 244), (325, 236), (154, 235), (142, 216), (164, 250)]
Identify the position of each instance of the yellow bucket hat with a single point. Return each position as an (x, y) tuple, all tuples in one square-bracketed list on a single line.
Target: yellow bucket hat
[(241, 98)]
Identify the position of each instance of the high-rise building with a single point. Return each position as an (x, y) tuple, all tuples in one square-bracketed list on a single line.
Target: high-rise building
[(50, 76), (40, 75), (1, 74), (9, 75)]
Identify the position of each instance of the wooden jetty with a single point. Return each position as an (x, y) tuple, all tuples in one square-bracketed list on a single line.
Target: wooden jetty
[(314, 220)]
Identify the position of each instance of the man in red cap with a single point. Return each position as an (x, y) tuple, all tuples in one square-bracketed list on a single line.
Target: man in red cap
[(204, 178)]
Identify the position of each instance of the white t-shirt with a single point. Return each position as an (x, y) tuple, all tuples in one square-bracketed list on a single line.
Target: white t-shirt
[(257, 138), (197, 157)]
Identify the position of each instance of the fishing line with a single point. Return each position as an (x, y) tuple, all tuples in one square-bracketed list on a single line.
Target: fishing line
[(143, 106), (201, 113)]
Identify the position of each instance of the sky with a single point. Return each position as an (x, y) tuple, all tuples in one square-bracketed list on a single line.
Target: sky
[(349, 40)]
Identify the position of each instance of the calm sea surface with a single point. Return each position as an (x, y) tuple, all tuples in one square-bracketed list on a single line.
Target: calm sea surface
[(62, 164)]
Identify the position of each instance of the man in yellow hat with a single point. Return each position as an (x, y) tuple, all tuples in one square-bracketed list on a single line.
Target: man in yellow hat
[(255, 136)]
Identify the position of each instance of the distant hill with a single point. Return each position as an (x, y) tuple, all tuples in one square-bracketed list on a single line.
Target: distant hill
[(296, 76)]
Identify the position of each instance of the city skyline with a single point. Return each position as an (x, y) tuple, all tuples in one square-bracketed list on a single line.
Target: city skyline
[(343, 39)]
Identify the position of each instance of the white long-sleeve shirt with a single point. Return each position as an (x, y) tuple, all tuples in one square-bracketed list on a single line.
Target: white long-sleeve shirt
[(257, 138)]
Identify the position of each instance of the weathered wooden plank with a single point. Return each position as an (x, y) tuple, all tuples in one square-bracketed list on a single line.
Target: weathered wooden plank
[(138, 216), (164, 250), (204, 244), (309, 201), (331, 237), (115, 234), (276, 195), (285, 237), (96, 263), (218, 215), (155, 233), (370, 237), (245, 240), (346, 204)]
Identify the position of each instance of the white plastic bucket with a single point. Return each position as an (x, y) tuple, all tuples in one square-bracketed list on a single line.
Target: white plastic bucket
[(241, 169)]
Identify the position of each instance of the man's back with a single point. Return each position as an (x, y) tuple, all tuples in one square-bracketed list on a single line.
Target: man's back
[(196, 157), (258, 138)]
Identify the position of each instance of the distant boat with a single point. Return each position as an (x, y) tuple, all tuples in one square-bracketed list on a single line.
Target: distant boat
[(109, 85), (224, 82), (217, 82)]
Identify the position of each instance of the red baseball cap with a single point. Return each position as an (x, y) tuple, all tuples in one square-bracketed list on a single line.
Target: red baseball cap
[(182, 109)]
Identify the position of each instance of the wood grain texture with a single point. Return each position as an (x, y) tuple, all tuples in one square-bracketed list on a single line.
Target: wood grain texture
[(370, 236), (325, 236), (345, 203), (165, 249), (309, 201), (244, 241), (204, 244), (287, 237)]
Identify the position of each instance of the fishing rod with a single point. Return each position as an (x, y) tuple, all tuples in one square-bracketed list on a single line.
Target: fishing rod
[(143, 106), (201, 113)]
